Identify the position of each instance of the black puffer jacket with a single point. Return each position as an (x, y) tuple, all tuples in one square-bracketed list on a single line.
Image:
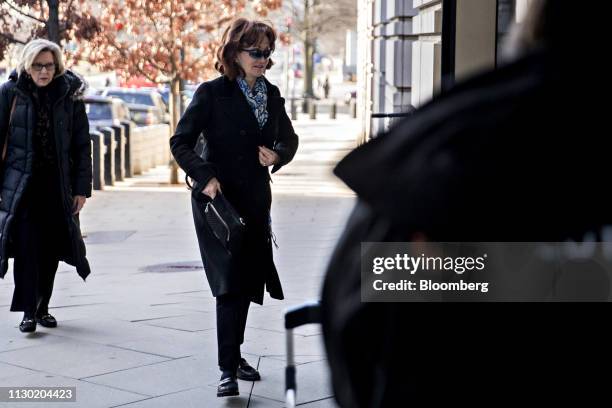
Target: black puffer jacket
[(73, 145)]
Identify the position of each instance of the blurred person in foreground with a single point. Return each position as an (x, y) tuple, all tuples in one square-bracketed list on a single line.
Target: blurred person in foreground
[(516, 154), (247, 132), (46, 177)]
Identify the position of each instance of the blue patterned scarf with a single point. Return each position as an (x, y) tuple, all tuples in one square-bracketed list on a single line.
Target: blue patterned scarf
[(257, 98)]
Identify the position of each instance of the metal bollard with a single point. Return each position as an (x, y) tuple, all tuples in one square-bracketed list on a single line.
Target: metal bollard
[(109, 155), (119, 152), (293, 110), (97, 150), (353, 108), (332, 110), (312, 110), (127, 155)]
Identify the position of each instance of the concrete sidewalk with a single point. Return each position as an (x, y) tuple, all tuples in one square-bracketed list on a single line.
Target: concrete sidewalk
[(141, 331)]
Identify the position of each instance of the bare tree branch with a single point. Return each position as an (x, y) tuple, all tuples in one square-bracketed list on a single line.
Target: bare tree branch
[(12, 39), (23, 13)]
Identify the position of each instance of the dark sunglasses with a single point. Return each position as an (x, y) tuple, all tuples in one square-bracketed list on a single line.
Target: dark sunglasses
[(257, 53), (39, 67)]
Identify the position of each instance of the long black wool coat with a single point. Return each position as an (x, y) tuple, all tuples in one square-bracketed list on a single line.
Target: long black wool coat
[(71, 132), (221, 112)]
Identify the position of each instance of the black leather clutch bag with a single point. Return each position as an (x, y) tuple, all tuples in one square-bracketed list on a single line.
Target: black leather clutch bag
[(225, 223), (220, 216)]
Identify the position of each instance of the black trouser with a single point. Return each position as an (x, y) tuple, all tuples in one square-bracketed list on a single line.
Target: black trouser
[(232, 311), (34, 271), (38, 236)]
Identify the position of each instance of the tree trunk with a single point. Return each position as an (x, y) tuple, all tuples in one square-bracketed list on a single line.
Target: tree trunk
[(175, 115), (308, 52), (53, 22)]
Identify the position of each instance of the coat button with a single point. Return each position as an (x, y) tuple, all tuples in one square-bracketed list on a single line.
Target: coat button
[(242, 132)]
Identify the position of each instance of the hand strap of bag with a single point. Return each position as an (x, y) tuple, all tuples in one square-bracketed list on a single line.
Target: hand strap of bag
[(8, 130)]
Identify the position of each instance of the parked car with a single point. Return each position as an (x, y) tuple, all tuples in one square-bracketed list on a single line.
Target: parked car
[(187, 95), (104, 111), (145, 96), (92, 91), (145, 115), (165, 94)]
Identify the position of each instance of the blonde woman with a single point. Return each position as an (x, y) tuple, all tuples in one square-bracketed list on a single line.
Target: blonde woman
[(45, 179)]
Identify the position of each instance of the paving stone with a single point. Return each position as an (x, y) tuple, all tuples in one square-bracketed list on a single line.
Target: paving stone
[(87, 395), (194, 322), (109, 331), (9, 371), (312, 381), (166, 377), (272, 343), (181, 344), (13, 339), (193, 398), (106, 237), (77, 359), (325, 403)]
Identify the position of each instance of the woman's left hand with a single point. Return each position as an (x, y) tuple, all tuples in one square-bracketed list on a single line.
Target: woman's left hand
[(77, 204), (267, 157)]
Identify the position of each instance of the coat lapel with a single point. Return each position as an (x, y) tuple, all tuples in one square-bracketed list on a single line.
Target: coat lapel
[(235, 106), (274, 105)]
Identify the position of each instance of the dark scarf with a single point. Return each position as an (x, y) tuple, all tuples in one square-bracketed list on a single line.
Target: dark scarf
[(43, 138)]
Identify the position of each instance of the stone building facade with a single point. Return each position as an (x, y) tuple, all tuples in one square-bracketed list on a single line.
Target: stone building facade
[(409, 50)]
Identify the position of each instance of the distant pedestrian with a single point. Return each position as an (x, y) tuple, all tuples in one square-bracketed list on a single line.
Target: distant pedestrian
[(326, 87), (46, 177), (247, 130)]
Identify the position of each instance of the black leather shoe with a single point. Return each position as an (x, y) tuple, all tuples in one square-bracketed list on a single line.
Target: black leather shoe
[(228, 387), (27, 325), (47, 320), (246, 372)]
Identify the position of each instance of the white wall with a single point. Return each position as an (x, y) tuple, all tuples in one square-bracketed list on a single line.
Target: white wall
[(385, 39)]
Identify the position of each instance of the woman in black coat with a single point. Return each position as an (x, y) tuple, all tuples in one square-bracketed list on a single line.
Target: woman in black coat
[(46, 177), (247, 130)]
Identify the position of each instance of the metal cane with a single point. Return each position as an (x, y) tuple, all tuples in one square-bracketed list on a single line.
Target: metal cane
[(295, 317)]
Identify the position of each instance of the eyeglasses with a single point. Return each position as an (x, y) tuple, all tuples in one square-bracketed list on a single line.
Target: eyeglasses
[(39, 67), (256, 53)]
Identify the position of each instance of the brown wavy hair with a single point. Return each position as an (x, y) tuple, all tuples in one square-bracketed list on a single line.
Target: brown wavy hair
[(241, 33)]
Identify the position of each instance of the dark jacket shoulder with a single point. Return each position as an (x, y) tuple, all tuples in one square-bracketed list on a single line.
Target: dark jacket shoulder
[(76, 83), (7, 87), (214, 85), (6, 95)]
